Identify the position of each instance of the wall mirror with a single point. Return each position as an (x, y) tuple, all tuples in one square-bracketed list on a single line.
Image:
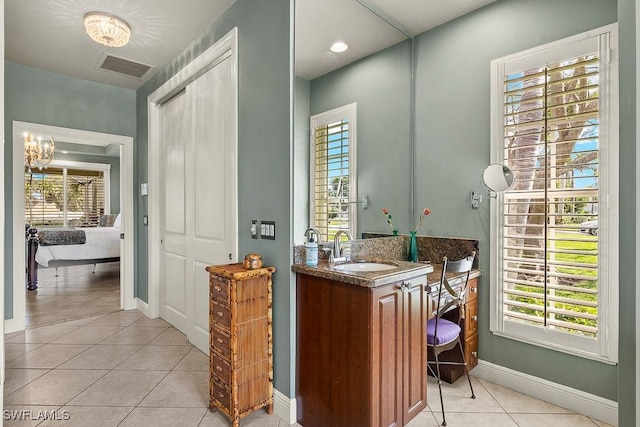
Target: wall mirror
[(497, 178), (375, 73)]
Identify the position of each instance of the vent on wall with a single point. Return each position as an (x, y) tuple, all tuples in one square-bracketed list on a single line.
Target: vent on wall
[(123, 66)]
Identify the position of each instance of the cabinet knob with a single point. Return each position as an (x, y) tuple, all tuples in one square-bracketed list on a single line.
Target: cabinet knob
[(474, 290), (220, 340), (474, 354), (218, 368), (475, 318), (220, 314), (218, 288)]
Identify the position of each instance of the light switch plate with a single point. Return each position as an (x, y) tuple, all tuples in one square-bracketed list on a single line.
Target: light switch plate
[(268, 230), (144, 189)]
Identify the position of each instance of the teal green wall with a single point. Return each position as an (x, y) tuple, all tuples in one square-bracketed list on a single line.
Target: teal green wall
[(453, 148), (300, 164), (381, 85), (264, 147), (37, 96)]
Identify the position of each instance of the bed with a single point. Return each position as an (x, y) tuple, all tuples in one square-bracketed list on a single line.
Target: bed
[(64, 247)]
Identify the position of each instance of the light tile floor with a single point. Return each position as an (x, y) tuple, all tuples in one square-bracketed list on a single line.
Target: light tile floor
[(123, 369), (76, 293)]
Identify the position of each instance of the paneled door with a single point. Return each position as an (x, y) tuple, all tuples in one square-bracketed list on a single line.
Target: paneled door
[(199, 197)]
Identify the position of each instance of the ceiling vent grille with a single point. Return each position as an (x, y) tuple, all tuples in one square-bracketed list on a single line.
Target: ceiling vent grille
[(123, 66)]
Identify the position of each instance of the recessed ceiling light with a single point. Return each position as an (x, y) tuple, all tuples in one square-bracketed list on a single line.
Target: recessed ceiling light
[(339, 47)]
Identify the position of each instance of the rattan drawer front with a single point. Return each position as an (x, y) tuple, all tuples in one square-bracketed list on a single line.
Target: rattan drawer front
[(219, 289), (221, 394), (221, 369), (221, 343), (221, 315)]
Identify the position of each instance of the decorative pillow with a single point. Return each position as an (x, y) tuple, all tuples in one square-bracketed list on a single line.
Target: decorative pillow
[(61, 236), (107, 220), (117, 222)]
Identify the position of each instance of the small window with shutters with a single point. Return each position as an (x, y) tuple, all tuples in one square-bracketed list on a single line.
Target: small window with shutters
[(333, 189), (554, 234), (66, 196)]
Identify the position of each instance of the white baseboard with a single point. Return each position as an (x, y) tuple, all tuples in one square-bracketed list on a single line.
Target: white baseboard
[(11, 325), (284, 407), (578, 401), (143, 308)]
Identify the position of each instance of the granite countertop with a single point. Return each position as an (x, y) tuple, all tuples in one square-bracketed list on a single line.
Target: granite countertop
[(433, 278), (405, 270)]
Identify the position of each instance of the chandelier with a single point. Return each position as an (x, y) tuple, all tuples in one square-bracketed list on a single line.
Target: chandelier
[(37, 154), (107, 29)]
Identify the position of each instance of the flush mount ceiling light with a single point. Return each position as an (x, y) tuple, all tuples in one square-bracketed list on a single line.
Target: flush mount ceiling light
[(107, 29), (338, 47)]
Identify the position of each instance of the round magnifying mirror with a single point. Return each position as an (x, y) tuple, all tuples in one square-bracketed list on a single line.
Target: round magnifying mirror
[(497, 177)]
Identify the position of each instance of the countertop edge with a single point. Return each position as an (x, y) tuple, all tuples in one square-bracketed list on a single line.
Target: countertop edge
[(406, 270)]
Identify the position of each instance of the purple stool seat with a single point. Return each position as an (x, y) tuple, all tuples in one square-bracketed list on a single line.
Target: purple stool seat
[(447, 331)]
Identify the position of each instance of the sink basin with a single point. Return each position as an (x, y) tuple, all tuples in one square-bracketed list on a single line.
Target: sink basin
[(364, 267)]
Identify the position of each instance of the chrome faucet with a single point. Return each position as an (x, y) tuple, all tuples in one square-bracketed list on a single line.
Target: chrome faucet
[(316, 232), (337, 250)]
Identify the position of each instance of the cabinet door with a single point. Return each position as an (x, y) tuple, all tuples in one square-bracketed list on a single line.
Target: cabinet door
[(416, 314), (386, 352)]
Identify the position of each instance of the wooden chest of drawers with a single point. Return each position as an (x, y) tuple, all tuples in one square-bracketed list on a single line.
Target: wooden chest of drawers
[(240, 338)]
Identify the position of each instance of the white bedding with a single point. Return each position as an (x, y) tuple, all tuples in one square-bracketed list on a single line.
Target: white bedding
[(102, 242)]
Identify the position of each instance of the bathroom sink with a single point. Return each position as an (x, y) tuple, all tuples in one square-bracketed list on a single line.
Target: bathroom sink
[(364, 267)]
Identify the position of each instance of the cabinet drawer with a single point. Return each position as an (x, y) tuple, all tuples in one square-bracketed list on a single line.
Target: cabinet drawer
[(471, 351), (219, 289), (470, 319), (221, 369), (472, 289), (221, 315), (220, 394), (221, 342)]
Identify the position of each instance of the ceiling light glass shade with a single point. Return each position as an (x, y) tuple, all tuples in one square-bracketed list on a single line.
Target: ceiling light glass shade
[(107, 29), (37, 153)]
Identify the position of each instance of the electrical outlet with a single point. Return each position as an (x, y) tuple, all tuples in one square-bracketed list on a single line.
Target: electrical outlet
[(254, 228)]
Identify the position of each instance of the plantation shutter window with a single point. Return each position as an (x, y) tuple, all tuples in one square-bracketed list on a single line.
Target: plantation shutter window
[(555, 232), (65, 197), (333, 192)]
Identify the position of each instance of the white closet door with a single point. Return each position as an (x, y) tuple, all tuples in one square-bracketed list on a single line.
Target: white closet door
[(176, 132), (211, 195), (200, 190)]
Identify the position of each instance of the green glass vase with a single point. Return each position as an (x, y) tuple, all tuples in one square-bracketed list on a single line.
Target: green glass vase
[(413, 247)]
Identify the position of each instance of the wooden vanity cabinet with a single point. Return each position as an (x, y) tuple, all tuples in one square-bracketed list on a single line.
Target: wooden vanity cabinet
[(361, 353), (468, 336), (241, 349)]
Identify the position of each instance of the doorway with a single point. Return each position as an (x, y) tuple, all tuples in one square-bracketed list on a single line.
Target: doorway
[(72, 136)]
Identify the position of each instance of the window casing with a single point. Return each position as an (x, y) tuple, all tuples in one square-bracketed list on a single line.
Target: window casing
[(555, 124), (67, 194), (333, 184)]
